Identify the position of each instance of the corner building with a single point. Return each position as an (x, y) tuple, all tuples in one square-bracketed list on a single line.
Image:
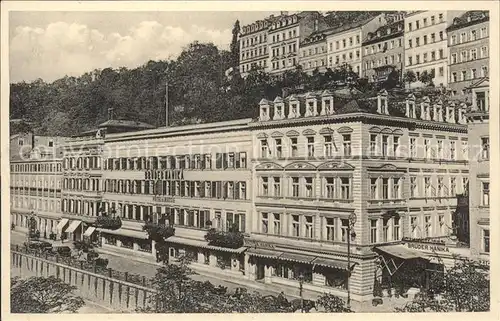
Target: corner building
[(315, 165)]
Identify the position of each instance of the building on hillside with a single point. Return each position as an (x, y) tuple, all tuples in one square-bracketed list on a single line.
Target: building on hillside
[(479, 169), (468, 44), (35, 176), (383, 52), (345, 42), (426, 46), (253, 46), (313, 53), (83, 187), (286, 32), (318, 164)]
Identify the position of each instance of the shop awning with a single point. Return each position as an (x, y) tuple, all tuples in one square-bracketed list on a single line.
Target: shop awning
[(125, 232), (298, 258), (400, 251), (73, 226), (89, 231), (337, 264), (202, 244), (268, 254), (62, 223)]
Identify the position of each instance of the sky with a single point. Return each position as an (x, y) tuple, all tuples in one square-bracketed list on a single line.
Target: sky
[(50, 45)]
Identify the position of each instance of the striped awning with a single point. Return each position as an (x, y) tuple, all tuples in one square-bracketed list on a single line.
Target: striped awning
[(89, 231), (336, 264), (62, 223), (268, 254), (203, 244), (73, 226), (126, 232), (298, 258)]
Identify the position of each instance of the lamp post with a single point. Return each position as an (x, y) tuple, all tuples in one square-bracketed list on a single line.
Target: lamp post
[(352, 221), (301, 284)]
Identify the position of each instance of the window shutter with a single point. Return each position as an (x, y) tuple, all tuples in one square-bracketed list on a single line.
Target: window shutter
[(235, 190), (202, 189), (224, 160), (242, 223), (192, 188), (218, 161), (214, 189), (193, 162), (203, 163), (224, 190)]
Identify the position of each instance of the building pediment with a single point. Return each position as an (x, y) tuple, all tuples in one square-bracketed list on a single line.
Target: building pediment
[(386, 167), (335, 166), (345, 129), (262, 136), (268, 166), (326, 131), (300, 166), (276, 134), (308, 132), (293, 133)]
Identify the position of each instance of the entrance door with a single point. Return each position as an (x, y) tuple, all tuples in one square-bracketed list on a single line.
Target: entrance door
[(261, 271)]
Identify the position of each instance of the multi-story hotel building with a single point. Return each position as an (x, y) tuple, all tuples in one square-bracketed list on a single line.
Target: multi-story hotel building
[(316, 166), (468, 45), (345, 42), (313, 53), (36, 179), (253, 46), (479, 160), (383, 52), (426, 47), (285, 34)]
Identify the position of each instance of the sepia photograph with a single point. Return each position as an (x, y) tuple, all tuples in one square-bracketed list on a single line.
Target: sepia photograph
[(183, 161)]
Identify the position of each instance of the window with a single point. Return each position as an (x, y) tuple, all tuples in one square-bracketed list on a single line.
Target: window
[(309, 228), (395, 145), (465, 150), (483, 32), (373, 188), (295, 226), (330, 228), (20, 142), (453, 186), (485, 191), (441, 35), (396, 188), (347, 144), (277, 186), (417, 42), (481, 101), (413, 186), (373, 231), (486, 241), (385, 230), (453, 150), (463, 56), (441, 53), (265, 186), (264, 149), (427, 185), (345, 188), (276, 224), (295, 187), (440, 148), (453, 39), (485, 148), (413, 226), (293, 147), (463, 37), (441, 71), (454, 77), (440, 189), (309, 186), (410, 27), (278, 147), (473, 35), (310, 146), (265, 223), (464, 75), (425, 39), (484, 71), (328, 146), (417, 24), (329, 188), (473, 54), (413, 147), (427, 148), (427, 226), (373, 144), (442, 226), (454, 58)]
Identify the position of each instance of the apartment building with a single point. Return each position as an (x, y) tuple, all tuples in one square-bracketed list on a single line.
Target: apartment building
[(479, 179), (254, 46), (317, 166), (285, 34), (345, 42), (468, 45), (383, 52), (36, 178), (314, 53), (426, 46)]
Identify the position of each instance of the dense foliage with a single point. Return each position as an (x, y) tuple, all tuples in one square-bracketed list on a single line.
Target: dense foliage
[(230, 239), (43, 295), (465, 287)]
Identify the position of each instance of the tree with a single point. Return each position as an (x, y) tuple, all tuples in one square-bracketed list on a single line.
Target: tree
[(331, 303), (426, 78), (465, 287), (43, 295), (409, 77), (235, 45), (392, 80)]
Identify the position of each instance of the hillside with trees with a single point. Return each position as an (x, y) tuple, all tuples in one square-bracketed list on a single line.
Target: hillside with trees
[(204, 86)]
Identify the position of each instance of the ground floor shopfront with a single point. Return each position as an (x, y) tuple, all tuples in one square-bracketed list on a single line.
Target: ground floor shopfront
[(45, 223)]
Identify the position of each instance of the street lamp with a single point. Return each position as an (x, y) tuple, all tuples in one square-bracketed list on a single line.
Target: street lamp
[(352, 221), (301, 284)]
